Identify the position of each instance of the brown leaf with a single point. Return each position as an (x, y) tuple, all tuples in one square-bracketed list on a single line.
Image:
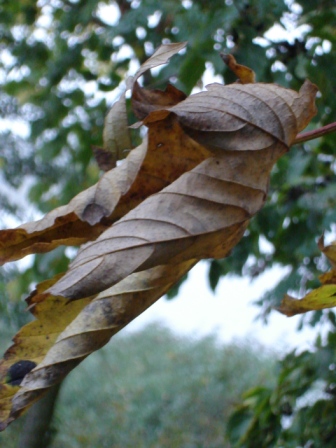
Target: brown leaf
[(99, 319), (77, 222), (146, 101), (145, 171), (253, 115), (329, 251), (208, 161), (202, 207)]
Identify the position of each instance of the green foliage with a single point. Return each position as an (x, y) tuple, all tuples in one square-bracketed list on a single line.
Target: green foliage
[(299, 411), (151, 389)]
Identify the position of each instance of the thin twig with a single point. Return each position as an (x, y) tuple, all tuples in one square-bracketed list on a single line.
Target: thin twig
[(310, 135)]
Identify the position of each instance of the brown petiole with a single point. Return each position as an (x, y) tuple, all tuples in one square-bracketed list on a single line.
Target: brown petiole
[(310, 135)]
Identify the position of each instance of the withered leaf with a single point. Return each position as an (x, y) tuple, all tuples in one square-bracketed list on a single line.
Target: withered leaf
[(98, 321), (144, 100), (207, 165), (35, 339), (161, 56), (191, 216), (86, 326), (146, 170), (318, 299)]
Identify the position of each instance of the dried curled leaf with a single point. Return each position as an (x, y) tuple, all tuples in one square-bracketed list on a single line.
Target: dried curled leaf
[(210, 155), (189, 217), (320, 298), (93, 327), (144, 172)]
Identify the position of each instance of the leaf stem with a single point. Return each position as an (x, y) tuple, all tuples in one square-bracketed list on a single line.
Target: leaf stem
[(310, 135)]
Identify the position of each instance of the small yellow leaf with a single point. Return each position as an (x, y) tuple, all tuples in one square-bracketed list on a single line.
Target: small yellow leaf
[(318, 299), (244, 74)]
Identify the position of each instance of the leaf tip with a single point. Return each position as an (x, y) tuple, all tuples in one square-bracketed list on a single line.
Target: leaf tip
[(245, 74)]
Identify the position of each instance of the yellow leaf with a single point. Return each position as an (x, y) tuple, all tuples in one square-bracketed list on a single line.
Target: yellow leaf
[(319, 299), (52, 315), (244, 74)]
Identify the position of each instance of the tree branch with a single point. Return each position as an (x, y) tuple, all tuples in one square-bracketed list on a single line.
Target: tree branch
[(310, 135)]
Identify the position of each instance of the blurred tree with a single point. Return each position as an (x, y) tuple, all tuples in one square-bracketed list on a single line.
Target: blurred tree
[(150, 389), (62, 62)]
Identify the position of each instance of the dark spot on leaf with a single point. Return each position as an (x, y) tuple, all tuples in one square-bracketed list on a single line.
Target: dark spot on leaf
[(93, 213), (104, 158), (18, 371)]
